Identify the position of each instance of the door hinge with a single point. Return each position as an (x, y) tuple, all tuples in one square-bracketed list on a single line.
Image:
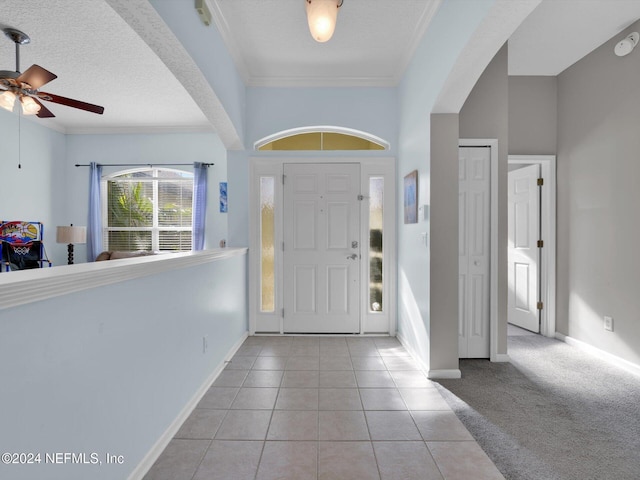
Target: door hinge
[(283, 313), (539, 306), (283, 246), (540, 244), (283, 177), (540, 182)]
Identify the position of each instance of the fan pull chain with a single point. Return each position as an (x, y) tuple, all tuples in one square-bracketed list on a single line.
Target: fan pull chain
[(19, 139)]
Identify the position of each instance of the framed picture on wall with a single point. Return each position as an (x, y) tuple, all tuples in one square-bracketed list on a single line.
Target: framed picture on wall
[(223, 197), (411, 197)]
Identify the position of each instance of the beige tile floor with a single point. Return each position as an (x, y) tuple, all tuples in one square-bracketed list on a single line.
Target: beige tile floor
[(327, 408)]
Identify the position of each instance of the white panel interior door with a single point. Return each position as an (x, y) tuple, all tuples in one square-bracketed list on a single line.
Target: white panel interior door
[(523, 251), (321, 248), (473, 251)]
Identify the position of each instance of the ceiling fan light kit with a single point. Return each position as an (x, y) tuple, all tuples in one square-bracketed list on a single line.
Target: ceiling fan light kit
[(626, 45), (29, 105), (7, 100), (322, 16), (25, 86)]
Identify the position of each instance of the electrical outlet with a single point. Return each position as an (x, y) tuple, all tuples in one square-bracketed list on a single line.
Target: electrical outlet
[(608, 324), (205, 343)]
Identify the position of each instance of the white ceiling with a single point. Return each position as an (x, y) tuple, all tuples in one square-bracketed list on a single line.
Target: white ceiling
[(372, 45), (560, 32), (100, 59)]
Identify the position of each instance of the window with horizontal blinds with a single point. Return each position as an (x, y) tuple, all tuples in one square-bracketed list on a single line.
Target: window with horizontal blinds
[(148, 209)]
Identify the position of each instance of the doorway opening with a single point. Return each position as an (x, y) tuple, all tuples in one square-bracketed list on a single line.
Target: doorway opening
[(532, 243)]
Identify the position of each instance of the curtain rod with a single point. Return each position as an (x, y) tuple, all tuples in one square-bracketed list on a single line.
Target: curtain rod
[(140, 164)]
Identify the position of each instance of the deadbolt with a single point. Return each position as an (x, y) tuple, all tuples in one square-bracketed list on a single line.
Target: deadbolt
[(354, 244)]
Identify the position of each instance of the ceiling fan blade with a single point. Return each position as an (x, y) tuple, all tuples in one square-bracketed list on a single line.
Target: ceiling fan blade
[(44, 111), (69, 102), (36, 76)]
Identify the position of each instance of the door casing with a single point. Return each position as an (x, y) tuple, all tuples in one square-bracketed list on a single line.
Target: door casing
[(370, 322), (547, 265), (494, 356), (474, 251)]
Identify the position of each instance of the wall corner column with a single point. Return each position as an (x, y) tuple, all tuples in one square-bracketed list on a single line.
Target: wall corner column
[(443, 290)]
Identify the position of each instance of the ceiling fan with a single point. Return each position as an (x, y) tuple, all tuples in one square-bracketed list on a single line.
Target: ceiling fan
[(25, 86)]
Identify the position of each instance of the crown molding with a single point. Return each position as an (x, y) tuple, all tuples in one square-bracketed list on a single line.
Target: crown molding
[(227, 37), (285, 81), (139, 129)]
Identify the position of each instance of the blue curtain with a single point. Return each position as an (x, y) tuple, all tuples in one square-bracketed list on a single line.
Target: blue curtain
[(199, 204), (94, 230)]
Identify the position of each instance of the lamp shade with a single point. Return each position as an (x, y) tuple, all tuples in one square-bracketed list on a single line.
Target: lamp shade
[(71, 234), (322, 15)]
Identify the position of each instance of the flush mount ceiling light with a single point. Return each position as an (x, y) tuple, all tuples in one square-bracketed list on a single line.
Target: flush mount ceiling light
[(625, 46), (322, 15)]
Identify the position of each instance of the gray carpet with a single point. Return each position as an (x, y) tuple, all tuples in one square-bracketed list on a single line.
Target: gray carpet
[(554, 412)]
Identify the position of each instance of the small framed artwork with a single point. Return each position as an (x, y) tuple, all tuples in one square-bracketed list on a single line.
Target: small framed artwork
[(411, 197), (223, 197)]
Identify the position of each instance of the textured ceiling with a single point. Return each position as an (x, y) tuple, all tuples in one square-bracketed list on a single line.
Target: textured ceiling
[(98, 59), (101, 58)]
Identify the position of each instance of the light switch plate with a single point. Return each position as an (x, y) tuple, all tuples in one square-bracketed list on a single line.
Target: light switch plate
[(608, 324)]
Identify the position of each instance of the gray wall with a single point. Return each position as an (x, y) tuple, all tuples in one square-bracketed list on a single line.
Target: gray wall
[(533, 119), (485, 114), (443, 215), (598, 198)]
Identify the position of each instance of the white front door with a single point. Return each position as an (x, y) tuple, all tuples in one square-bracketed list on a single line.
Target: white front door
[(523, 251), (473, 252), (321, 248)]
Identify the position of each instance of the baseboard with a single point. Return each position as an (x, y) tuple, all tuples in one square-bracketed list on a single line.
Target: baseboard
[(452, 373), (416, 358), (606, 356), (432, 374), (150, 458), (501, 357)]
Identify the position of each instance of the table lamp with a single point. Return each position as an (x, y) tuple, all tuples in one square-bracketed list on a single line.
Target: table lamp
[(71, 235)]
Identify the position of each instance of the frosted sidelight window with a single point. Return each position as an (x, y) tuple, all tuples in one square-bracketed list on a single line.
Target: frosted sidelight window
[(376, 259), (267, 247)]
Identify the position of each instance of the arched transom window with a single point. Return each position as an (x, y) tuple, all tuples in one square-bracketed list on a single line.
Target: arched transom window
[(321, 139)]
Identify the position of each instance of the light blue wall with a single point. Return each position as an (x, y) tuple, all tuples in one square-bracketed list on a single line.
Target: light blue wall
[(109, 369), (272, 110), (238, 216), (447, 35), (30, 193), (206, 47), (143, 148), (372, 110), (48, 188)]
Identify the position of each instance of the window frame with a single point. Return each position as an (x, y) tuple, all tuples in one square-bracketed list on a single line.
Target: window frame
[(156, 228)]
